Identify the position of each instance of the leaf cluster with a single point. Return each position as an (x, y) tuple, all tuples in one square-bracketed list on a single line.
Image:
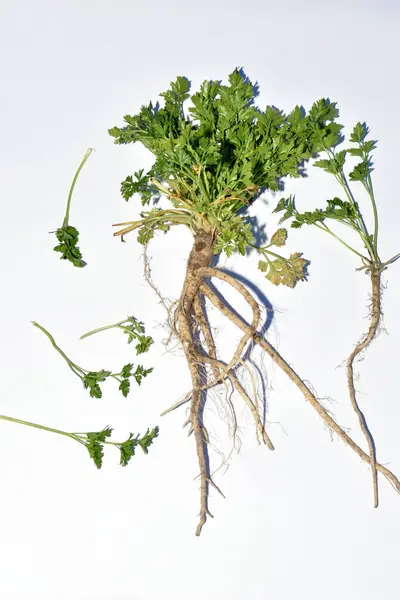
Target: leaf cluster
[(278, 269), (152, 223), (217, 156), (235, 236), (92, 379), (336, 209), (68, 236), (94, 442), (128, 448)]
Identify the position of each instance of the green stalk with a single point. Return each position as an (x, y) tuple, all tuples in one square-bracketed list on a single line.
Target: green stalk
[(165, 191), (369, 188), (88, 153), (341, 179), (51, 429), (363, 233), (119, 325), (74, 368), (325, 227)]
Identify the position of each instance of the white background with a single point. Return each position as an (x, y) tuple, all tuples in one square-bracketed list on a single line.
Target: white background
[(296, 523)]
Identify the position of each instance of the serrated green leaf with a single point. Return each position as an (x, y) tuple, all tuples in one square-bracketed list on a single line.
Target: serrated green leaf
[(147, 439), (127, 450), (127, 370), (125, 387), (95, 449), (68, 237), (359, 132), (144, 343), (92, 379), (141, 372), (360, 171), (282, 204)]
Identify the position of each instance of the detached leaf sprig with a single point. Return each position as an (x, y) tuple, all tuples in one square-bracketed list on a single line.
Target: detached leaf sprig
[(91, 379), (94, 441), (131, 327), (278, 269), (68, 235)]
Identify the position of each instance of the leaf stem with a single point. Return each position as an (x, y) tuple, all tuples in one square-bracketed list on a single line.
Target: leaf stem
[(264, 250), (74, 368), (66, 218), (325, 227), (119, 324), (44, 427), (370, 190)]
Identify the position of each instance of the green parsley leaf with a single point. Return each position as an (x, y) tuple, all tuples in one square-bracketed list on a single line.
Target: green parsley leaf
[(127, 370), (147, 439), (127, 450), (95, 447), (68, 237), (92, 379), (360, 171), (359, 133), (144, 343), (141, 372), (125, 387)]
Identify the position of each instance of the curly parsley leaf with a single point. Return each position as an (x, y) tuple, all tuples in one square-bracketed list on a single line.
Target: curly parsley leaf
[(92, 379), (139, 183), (141, 372), (217, 157), (235, 235), (68, 237), (147, 439), (125, 387), (94, 444), (128, 448)]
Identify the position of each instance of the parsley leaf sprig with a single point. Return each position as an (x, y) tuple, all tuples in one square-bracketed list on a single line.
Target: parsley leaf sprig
[(95, 441), (91, 379), (67, 235), (278, 269), (131, 327), (347, 212)]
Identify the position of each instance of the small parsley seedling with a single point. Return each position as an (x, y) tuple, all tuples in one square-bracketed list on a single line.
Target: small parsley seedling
[(347, 213)]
